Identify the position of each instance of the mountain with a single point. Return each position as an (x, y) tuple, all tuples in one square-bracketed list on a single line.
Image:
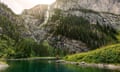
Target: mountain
[(81, 25), (65, 27), (101, 19)]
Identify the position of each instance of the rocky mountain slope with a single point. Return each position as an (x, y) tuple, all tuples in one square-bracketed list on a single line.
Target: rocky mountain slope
[(105, 12), (85, 13), (96, 11), (33, 18), (28, 22), (111, 6), (15, 21)]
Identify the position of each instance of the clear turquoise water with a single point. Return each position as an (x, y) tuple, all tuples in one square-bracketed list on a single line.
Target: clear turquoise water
[(45, 66)]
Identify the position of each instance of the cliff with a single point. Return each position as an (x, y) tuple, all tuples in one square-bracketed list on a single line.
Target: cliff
[(104, 12), (111, 6), (33, 19)]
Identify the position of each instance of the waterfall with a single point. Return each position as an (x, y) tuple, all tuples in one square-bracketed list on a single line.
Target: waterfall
[(46, 17)]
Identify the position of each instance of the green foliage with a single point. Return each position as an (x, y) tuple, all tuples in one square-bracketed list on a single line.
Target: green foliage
[(49, 49), (9, 35), (9, 29), (118, 36), (29, 48), (46, 49), (94, 35), (108, 54), (24, 48), (57, 15), (6, 46)]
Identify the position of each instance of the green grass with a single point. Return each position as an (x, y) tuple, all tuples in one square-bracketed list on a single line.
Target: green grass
[(108, 54), (3, 62)]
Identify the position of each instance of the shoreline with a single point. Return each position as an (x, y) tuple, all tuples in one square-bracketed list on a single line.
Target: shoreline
[(99, 65), (32, 58), (3, 66)]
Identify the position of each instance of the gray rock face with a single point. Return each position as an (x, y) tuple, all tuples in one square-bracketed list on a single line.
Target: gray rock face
[(101, 18), (33, 18), (70, 45), (37, 12), (33, 30), (102, 11), (112, 6)]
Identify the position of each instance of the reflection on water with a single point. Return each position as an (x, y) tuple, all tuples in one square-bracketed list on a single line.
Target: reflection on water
[(46, 66)]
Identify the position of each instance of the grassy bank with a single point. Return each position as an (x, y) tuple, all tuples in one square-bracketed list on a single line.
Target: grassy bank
[(2, 62), (31, 58), (108, 54)]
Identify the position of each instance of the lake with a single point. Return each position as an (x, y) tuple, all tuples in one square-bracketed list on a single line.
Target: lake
[(47, 66)]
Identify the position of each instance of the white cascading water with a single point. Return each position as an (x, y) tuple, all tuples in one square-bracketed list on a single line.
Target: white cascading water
[(46, 17)]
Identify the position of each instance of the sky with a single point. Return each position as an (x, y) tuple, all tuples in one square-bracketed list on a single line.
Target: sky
[(18, 6)]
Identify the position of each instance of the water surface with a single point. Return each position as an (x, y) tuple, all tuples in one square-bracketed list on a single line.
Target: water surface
[(48, 66)]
